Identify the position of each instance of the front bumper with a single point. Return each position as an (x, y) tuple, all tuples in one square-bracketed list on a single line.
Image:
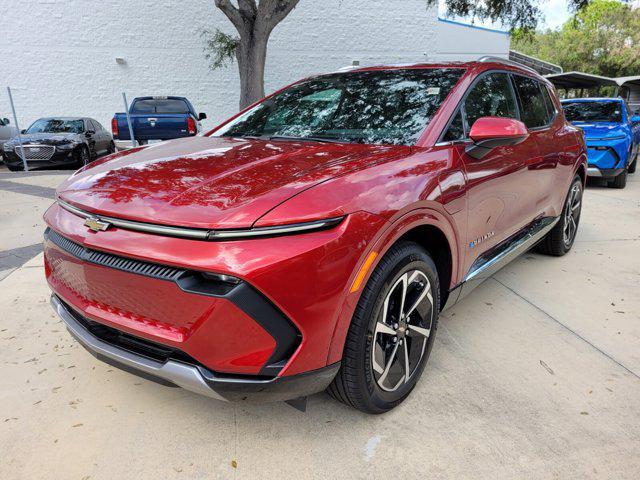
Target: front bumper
[(58, 158), (158, 289), (606, 155), (196, 378), (603, 172)]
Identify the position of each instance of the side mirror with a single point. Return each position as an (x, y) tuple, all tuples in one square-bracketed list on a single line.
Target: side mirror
[(88, 133), (6, 121), (488, 133), (202, 116), (23, 131), (634, 119)]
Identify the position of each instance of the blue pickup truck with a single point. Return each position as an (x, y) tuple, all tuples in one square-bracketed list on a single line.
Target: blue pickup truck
[(157, 118), (612, 135)]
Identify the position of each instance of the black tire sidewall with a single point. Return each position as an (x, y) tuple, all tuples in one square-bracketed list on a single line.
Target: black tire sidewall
[(402, 258), (79, 161), (576, 180)]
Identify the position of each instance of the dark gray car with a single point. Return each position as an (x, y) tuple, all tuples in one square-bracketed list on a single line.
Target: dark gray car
[(58, 141)]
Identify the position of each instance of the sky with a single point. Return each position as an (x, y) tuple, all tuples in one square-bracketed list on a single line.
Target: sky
[(555, 13)]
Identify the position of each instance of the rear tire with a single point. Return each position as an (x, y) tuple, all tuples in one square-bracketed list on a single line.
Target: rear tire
[(383, 344), (112, 148), (619, 181), (561, 237)]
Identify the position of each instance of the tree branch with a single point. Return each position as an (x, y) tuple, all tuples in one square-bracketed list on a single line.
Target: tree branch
[(231, 12), (248, 6), (272, 12)]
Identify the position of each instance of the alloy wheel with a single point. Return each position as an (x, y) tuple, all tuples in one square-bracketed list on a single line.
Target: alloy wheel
[(402, 330), (572, 214)]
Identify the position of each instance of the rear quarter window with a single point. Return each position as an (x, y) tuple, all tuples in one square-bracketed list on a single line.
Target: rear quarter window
[(534, 112), (551, 107)]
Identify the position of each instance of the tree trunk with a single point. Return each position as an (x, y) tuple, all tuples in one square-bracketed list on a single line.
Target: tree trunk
[(251, 55)]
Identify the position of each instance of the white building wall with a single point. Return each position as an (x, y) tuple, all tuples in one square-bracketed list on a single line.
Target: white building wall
[(59, 55), (462, 42)]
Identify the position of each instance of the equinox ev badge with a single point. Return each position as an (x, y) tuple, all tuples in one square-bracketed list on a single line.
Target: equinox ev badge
[(96, 224)]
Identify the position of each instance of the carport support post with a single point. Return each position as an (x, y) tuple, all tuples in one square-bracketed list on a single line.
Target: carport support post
[(15, 121), (126, 111)]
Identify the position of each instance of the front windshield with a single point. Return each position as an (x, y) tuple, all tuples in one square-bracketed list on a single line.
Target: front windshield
[(376, 107), (593, 111), (55, 125)]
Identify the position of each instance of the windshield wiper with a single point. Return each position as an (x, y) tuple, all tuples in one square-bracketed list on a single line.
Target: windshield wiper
[(290, 138), (308, 139)]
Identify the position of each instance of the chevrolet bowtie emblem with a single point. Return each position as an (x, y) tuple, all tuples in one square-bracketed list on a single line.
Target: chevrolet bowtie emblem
[(96, 224)]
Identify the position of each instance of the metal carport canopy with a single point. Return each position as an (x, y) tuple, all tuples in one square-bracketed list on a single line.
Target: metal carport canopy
[(579, 80), (626, 81)]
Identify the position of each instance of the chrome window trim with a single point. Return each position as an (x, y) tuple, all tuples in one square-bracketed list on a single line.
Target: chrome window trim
[(203, 234)]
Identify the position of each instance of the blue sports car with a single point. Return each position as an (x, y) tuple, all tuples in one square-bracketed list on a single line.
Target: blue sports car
[(612, 135)]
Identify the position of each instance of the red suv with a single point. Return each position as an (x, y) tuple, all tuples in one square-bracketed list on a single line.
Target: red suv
[(311, 241)]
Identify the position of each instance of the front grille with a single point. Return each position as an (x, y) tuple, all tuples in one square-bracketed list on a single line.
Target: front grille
[(147, 348), (161, 272), (240, 293), (131, 343), (35, 152)]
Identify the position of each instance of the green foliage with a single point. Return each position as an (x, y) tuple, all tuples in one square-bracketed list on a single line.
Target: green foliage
[(220, 48), (603, 38), (516, 14)]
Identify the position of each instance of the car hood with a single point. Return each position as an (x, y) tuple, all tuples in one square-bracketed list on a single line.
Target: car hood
[(601, 130), (212, 182), (46, 138)]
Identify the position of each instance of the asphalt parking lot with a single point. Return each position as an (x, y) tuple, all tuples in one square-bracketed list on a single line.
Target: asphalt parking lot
[(535, 375)]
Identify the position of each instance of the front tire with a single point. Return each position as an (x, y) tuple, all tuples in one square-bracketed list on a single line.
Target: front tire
[(83, 157), (391, 333), (620, 181), (560, 239)]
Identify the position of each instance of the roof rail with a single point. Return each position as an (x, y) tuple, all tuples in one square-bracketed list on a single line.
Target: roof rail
[(505, 61)]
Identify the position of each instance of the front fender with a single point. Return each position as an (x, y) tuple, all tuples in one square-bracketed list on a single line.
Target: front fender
[(384, 240)]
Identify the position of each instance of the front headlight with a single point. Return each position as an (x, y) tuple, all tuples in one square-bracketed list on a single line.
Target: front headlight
[(287, 229), (65, 147), (7, 147)]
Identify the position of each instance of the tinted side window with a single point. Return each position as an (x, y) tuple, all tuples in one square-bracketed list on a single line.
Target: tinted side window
[(551, 108), (492, 96), (455, 130), (534, 110)]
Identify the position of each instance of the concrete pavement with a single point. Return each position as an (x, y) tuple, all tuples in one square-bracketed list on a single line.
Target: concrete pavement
[(535, 375)]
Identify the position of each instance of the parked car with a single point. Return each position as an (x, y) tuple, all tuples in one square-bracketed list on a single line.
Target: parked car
[(312, 240), (6, 132), (58, 141), (612, 133), (157, 118)]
